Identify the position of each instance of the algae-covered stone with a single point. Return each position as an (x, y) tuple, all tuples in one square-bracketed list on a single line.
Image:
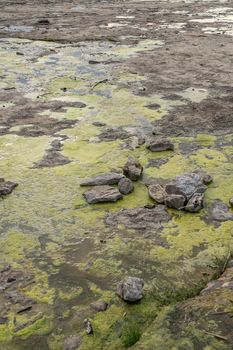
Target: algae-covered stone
[(125, 186), (133, 169), (103, 179), (100, 194), (130, 289)]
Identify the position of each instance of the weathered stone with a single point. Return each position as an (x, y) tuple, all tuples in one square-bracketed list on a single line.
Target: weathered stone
[(133, 169), (103, 179), (220, 212), (87, 326), (6, 187), (205, 177), (73, 342), (176, 201), (125, 186), (195, 203), (157, 193), (159, 145), (130, 289), (100, 194), (99, 306), (186, 185)]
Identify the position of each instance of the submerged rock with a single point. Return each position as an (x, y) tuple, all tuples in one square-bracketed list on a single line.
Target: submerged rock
[(130, 289), (6, 187), (100, 194), (99, 306), (159, 145), (73, 342), (132, 169), (125, 186), (157, 193), (103, 179)]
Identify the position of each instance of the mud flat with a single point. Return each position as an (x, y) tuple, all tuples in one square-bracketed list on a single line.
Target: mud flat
[(84, 87)]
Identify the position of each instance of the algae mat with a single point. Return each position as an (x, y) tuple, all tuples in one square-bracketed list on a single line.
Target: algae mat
[(72, 111)]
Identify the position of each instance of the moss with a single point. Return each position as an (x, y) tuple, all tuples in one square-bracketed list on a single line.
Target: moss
[(41, 326), (70, 293)]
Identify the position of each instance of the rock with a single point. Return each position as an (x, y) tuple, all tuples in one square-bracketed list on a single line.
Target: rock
[(205, 177), (195, 203), (132, 169), (99, 306), (159, 145), (157, 163), (99, 124), (100, 194), (103, 179), (220, 212), (231, 202), (125, 186), (87, 326), (43, 22), (73, 342), (176, 201), (6, 187), (141, 219), (186, 185), (157, 193), (130, 289)]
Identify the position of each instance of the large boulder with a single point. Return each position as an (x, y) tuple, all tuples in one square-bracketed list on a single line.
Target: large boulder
[(125, 186), (103, 179), (159, 145), (130, 289), (100, 194), (132, 169)]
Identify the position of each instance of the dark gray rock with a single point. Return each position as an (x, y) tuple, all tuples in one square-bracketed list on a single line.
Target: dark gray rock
[(100, 194), (73, 342), (87, 326), (159, 145), (133, 169), (195, 203), (157, 193), (125, 186), (176, 201), (103, 179), (6, 187), (219, 211), (99, 124), (130, 289), (99, 306), (186, 185)]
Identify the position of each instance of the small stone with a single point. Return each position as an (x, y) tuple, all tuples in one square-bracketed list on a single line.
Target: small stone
[(195, 203), (157, 193), (231, 202), (220, 212), (159, 145), (6, 187), (73, 342), (133, 169), (176, 201), (103, 179), (99, 124), (125, 186), (102, 194), (87, 326), (207, 179), (130, 289), (99, 306)]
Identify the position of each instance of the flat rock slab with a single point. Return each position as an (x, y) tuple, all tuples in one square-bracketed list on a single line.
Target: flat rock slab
[(103, 179), (100, 194), (142, 219)]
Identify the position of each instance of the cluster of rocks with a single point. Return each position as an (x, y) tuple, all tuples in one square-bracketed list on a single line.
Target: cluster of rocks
[(6, 187), (103, 185), (186, 192)]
